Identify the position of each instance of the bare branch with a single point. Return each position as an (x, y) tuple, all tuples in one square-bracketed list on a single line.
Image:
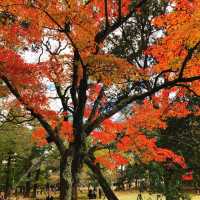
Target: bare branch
[(95, 106), (119, 9), (38, 116), (106, 13), (127, 100)]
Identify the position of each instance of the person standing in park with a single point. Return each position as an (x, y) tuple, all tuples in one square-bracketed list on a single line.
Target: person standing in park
[(92, 194), (100, 193)]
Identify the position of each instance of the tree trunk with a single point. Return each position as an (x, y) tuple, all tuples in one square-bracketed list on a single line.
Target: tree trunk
[(75, 174), (76, 168), (35, 186), (171, 190), (28, 186), (65, 177), (102, 181), (8, 172), (74, 190)]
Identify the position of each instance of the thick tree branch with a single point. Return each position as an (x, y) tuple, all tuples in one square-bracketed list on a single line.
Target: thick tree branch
[(161, 74), (119, 9), (188, 58), (73, 89), (62, 98), (125, 101), (99, 176), (38, 116), (106, 13), (96, 104)]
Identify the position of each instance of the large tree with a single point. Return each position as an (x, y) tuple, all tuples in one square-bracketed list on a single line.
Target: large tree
[(91, 84)]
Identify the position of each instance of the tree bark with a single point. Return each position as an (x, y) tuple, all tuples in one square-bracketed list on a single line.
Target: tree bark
[(102, 181), (65, 177), (75, 173), (28, 186), (76, 166), (8, 172), (74, 189), (35, 186)]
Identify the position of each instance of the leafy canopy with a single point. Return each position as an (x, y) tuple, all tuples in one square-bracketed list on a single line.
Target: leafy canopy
[(92, 84)]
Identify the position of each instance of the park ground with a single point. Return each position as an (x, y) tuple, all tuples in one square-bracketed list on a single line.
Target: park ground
[(146, 196), (132, 195), (125, 195)]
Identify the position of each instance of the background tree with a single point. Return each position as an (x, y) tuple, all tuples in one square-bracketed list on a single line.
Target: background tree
[(15, 146), (182, 135)]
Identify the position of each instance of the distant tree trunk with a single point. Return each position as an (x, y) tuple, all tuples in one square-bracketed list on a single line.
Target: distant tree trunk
[(129, 185), (8, 173), (102, 181), (171, 190), (136, 183), (28, 186), (167, 187), (35, 186)]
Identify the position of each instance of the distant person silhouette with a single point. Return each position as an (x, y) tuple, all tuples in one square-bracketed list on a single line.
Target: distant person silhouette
[(94, 194), (48, 197), (51, 198), (100, 193), (90, 194)]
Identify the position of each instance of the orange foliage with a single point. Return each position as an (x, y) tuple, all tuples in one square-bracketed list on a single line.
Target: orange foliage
[(112, 160), (28, 81), (182, 34), (149, 115), (27, 22), (108, 133), (67, 131), (111, 70), (39, 137)]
